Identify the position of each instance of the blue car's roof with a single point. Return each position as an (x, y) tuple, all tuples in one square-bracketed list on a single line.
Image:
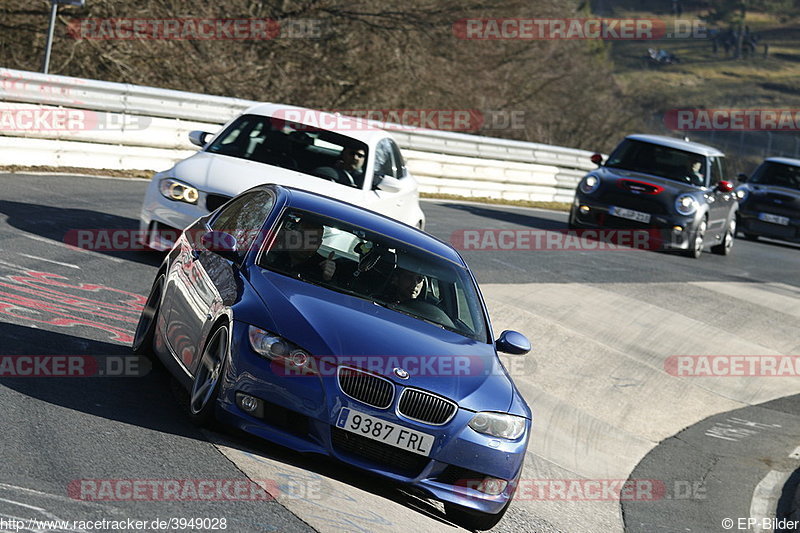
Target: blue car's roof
[(324, 205)]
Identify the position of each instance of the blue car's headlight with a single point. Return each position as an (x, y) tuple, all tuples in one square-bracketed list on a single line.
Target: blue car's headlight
[(274, 347), (589, 184), (498, 425), (178, 191), (685, 204)]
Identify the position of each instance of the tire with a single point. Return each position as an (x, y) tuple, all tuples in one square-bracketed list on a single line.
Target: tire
[(697, 242), (206, 382), (473, 520), (724, 248), (146, 327)]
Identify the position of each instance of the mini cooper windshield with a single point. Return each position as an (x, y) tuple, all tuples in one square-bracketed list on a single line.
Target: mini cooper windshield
[(393, 274), (658, 160), (770, 173)]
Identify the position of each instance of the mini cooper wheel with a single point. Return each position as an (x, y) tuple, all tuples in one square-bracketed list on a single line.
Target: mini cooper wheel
[(205, 387), (145, 329), (724, 248), (696, 246)]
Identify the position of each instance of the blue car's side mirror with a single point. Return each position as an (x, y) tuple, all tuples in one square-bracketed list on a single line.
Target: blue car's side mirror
[(513, 342), (221, 243)]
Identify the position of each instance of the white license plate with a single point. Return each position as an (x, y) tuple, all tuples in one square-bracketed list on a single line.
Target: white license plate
[(775, 219), (630, 214), (382, 431)]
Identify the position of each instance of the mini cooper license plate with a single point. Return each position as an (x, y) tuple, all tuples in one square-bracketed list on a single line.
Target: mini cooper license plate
[(775, 219), (386, 432), (630, 214)]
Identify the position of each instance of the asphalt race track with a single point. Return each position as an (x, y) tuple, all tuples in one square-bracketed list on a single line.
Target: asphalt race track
[(609, 406)]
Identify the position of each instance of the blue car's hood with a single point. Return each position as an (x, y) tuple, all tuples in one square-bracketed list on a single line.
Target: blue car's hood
[(326, 322)]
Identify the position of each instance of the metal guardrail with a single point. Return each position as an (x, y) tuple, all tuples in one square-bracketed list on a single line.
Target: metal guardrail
[(145, 128)]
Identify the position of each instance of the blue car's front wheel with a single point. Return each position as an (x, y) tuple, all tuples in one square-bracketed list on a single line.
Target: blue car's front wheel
[(205, 386)]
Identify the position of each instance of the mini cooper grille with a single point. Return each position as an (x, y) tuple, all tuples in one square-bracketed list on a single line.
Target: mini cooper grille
[(425, 407), (368, 388)]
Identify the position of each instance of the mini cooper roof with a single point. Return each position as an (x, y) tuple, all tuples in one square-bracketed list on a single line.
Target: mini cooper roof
[(784, 161), (678, 144)]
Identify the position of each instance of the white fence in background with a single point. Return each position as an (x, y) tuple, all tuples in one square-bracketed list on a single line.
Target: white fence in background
[(132, 127)]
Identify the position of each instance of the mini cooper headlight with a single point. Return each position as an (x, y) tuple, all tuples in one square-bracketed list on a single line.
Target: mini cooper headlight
[(178, 191), (685, 204), (589, 184), (742, 193), (498, 425)]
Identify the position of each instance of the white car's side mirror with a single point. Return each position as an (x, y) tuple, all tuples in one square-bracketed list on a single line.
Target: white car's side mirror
[(390, 184), (198, 137)]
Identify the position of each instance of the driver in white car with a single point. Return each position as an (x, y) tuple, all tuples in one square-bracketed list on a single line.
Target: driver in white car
[(348, 169)]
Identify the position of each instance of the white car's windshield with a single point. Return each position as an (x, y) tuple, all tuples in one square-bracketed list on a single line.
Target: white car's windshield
[(658, 160), (393, 274), (325, 154)]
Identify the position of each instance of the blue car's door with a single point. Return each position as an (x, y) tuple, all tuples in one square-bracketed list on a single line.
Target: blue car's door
[(201, 281)]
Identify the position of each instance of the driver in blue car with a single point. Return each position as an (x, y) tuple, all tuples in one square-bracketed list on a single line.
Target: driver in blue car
[(296, 254), (404, 285)]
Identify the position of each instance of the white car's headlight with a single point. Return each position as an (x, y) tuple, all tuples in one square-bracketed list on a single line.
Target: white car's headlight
[(589, 184), (178, 191), (498, 425), (685, 204)]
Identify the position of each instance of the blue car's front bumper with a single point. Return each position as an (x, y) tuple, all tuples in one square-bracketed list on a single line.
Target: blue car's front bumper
[(301, 413)]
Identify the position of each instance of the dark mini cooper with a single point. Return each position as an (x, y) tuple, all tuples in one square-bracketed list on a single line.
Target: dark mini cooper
[(673, 189), (769, 201)]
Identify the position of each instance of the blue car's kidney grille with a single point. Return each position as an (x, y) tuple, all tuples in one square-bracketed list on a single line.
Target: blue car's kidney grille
[(426, 407), (368, 388)]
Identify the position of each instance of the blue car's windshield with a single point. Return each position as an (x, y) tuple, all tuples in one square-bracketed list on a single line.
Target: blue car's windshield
[(393, 274), (658, 160)]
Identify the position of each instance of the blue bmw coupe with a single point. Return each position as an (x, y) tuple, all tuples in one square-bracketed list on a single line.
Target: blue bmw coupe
[(329, 329)]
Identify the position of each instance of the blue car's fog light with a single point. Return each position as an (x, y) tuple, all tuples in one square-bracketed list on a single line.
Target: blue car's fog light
[(250, 404), (490, 486)]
